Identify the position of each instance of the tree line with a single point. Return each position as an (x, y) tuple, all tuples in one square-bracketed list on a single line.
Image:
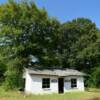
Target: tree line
[(30, 38)]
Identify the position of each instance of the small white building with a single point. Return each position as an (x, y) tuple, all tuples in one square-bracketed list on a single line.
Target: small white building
[(53, 81)]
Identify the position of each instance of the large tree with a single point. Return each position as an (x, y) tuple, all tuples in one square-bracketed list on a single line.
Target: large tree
[(27, 33), (80, 42), (30, 38)]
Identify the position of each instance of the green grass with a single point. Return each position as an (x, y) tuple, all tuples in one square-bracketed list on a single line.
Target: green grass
[(13, 95)]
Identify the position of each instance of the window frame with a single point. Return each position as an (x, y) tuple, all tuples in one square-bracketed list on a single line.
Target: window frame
[(45, 83), (74, 83)]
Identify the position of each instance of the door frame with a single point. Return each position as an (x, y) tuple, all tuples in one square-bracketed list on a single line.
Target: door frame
[(60, 85)]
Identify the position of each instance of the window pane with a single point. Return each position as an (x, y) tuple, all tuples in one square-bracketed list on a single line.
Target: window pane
[(45, 83), (73, 83)]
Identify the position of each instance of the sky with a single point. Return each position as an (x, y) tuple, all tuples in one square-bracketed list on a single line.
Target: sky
[(66, 10)]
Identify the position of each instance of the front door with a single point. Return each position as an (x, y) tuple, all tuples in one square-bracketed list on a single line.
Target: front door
[(60, 85)]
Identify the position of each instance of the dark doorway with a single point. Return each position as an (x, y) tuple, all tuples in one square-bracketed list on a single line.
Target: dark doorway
[(61, 85)]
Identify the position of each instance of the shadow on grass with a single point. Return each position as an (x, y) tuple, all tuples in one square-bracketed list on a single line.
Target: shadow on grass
[(95, 98)]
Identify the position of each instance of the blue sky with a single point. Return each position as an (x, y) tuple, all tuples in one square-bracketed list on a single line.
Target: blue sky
[(66, 10)]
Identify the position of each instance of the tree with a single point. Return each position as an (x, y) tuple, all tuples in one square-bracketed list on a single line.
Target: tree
[(30, 32), (79, 39), (30, 38)]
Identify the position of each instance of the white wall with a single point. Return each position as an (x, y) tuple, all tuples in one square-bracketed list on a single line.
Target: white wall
[(80, 84), (34, 84)]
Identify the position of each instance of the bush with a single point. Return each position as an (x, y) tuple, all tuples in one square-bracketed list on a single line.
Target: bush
[(93, 79), (2, 71), (13, 76)]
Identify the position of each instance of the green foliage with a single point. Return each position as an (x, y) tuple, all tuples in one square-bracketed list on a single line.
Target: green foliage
[(13, 75), (3, 69), (26, 30), (96, 76), (78, 39)]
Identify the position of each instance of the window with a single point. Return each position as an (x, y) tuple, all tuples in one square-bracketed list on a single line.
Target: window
[(46, 83), (73, 83)]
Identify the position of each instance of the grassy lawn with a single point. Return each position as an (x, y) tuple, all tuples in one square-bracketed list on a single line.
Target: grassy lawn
[(12, 95)]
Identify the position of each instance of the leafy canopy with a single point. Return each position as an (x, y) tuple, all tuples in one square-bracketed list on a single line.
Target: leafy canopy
[(28, 33)]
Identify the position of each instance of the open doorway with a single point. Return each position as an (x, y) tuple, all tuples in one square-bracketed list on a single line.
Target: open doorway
[(61, 85)]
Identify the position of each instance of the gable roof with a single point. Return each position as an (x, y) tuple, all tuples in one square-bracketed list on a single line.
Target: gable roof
[(55, 72)]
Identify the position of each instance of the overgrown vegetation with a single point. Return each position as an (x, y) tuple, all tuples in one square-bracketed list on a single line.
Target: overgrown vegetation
[(30, 38), (12, 95)]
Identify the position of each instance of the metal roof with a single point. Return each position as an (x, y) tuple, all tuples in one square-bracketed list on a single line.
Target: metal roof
[(55, 72)]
